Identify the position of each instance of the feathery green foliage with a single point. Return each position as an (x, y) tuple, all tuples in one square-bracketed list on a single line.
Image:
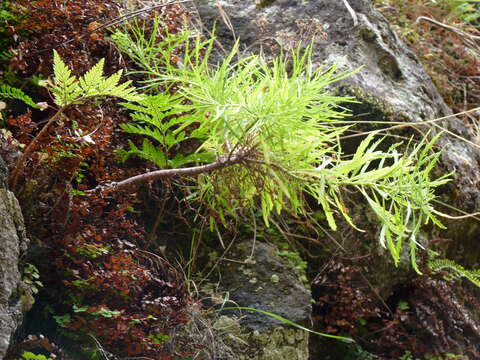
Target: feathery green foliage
[(399, 190), (455, 270), (151, 52), (67, 89), (155, 117), (279, 119), (7, 18), (9, 92)]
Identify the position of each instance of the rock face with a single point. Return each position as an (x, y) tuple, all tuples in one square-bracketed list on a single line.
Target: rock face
[(14, 242), (266, 282)]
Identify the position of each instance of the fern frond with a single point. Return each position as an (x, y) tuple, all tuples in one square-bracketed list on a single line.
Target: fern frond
[(6, 54), (148, 151), (66, 88), (155, 118), (455, 270), (9, 92), (91, 81), (70, 90)]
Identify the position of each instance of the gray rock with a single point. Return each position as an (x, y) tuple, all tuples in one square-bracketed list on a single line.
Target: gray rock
[(14, 297), (267, 282)]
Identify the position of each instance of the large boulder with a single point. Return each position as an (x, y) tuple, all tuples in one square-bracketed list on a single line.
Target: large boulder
[(15, 298), (264, 279)]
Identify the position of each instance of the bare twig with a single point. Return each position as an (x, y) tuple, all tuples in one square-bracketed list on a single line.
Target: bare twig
[(448, 27), (220, 163), (352, 12), (470, 40), (225, 18)]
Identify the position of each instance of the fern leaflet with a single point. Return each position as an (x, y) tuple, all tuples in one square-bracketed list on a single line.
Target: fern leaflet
[(8, 92), (155, 118), (454, 269), (70, 90)]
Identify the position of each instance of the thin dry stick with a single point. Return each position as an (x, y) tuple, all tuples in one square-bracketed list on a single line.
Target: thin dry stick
[(403, 124), (377, 294), (221, 258), (254, 233), (448, 27), (225, 18), (406, 123), (352, 12), (456, 209)]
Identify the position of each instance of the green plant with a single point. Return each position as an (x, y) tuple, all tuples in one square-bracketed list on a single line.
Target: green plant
[(289, 322), (31, 276), (62, 320), (467, 11), (273, 131), (407, 356), (149, 49), (103, 311), (93, 251), (8, 92), (27, 355), (155, 118), (159, 338), (358, 353), (6, 18), (454, 270), (69, 90), (296, 260), (403, 305)]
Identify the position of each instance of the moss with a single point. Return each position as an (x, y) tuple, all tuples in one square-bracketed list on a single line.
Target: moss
[(24, 297), (294, 259)]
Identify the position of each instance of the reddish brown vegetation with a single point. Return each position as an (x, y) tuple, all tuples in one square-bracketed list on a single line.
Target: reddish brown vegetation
[(94, 269), (422, 316)]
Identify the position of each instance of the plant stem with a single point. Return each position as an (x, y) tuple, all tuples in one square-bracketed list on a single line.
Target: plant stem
[(19, 166), (220, 163)]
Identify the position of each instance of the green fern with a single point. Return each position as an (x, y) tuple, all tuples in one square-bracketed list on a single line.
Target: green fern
[(155, 117), (455, 270), (8, 92), (67, 89), (6, 54)]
